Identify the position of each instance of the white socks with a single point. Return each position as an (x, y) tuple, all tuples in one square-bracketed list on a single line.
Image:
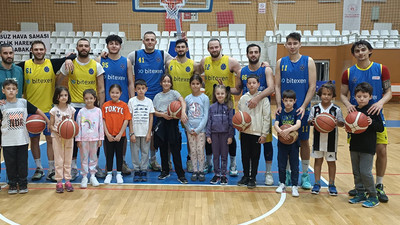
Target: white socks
[(38, 163)]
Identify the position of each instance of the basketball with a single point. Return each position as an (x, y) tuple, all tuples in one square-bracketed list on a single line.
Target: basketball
[(241, 121), (356, 122), (175, 109), (292, 135), (68, 129), (324, 123), (35, 124)]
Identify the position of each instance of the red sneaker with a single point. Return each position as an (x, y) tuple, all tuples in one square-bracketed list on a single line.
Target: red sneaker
[(68, 186), (59, 188)]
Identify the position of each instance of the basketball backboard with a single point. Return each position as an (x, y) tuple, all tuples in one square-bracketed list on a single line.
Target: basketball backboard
[(190, 6)]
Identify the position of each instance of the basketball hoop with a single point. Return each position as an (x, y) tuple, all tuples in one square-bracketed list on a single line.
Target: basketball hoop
[(172, 7)]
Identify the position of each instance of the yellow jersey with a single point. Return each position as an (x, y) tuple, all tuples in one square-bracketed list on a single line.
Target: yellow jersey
[(39, 84), (181, 73), (81, 78)]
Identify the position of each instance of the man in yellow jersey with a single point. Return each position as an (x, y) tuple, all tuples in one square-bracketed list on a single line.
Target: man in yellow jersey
[(222, 69), (38, 89), (87, 74), (181, 69)]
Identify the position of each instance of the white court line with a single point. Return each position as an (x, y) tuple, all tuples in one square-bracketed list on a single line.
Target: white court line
[(7, 220), (277, 206)]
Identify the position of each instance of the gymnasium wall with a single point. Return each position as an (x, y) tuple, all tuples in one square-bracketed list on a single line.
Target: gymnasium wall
[(86, 15)]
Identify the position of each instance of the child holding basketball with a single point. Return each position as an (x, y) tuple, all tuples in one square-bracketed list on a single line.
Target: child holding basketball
[(220, 131), (142, 111), (14, 135), (363, 148), (63, 148), (197, 111), (116, 116), (255, 135), (291, 151), (167, 136), (90, 136), (325, 144)]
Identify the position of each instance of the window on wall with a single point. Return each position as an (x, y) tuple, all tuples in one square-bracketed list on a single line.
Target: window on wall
[(322, 67)]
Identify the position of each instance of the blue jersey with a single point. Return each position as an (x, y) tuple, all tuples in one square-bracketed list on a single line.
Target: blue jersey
[(150, 67), (294, 76), (288, 118), (116, 72), (260, 73)]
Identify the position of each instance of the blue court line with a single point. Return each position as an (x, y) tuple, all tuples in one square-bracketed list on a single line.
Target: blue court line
[(393, 123)]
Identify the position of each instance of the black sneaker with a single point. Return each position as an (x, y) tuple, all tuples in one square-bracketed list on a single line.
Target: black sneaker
[(163, 176), (224, 180), (38, 174), (353, 192), (143, 174), (252, 183), (244, 181), (215, 180), (136, 176), (50, 176), (381, 193), (201, 176), (183, 180), (12, 190), (194, 176)]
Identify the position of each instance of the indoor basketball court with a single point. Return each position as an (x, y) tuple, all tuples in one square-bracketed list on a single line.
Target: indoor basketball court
[(328, 29)]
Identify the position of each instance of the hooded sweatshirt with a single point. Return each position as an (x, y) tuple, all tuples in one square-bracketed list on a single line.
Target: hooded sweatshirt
[(14, 73)]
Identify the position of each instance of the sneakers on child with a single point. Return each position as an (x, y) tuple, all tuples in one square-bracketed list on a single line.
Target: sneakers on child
[(50, 176), (93, 181), (202, 177), (371, 202), (194, 176), (125, 169), (233, 172), (189, 166), (136, 176), (332, 190), (281, 188), (108, 179), (269, 179), (74, 174), (154, 165), (12, 190), (23, 189), (59, 187), (381, 193), (215, 180), (252, 183), (305, 181), (315, 190), (295, 191), (224, 180), (244, 181), (163, 176), (100, 173), (143, 174), (208, 168), (38, 174), (69, 187), (119, 178), (288, 181), (183, 180), (84, 182), (359, 198)]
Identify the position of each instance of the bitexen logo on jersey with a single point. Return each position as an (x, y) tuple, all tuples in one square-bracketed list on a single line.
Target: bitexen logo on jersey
[(83, 82), (39, 81), (293, 81)]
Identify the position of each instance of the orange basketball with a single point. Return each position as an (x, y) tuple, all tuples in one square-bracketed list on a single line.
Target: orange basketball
[(356, 122), (175, 109), (68, 129), (35, 124), (241, 121), (292, 135), (324, 123)]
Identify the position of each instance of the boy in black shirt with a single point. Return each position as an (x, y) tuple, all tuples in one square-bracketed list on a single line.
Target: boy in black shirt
[(363, 148)]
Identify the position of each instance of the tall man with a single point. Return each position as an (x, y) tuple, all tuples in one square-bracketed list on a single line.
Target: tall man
[(149, 65), (219, 68), (378, 76), (297, 72), (181, 69), (118, 70), (267, 88), (87, 74)]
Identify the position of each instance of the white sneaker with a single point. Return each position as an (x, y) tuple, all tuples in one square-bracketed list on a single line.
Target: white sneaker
[(119, 179), (108, 179), (295, 191), (84, 182), (93, 181), (281, 188), (269, 179)]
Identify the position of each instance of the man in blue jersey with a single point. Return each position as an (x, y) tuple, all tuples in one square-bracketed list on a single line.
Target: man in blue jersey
[(117, 70), (149, 65), (378, 76), (297, 72), (267, 88)]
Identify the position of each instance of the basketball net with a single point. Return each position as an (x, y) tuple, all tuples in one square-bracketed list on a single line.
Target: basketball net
[(172, 8)]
